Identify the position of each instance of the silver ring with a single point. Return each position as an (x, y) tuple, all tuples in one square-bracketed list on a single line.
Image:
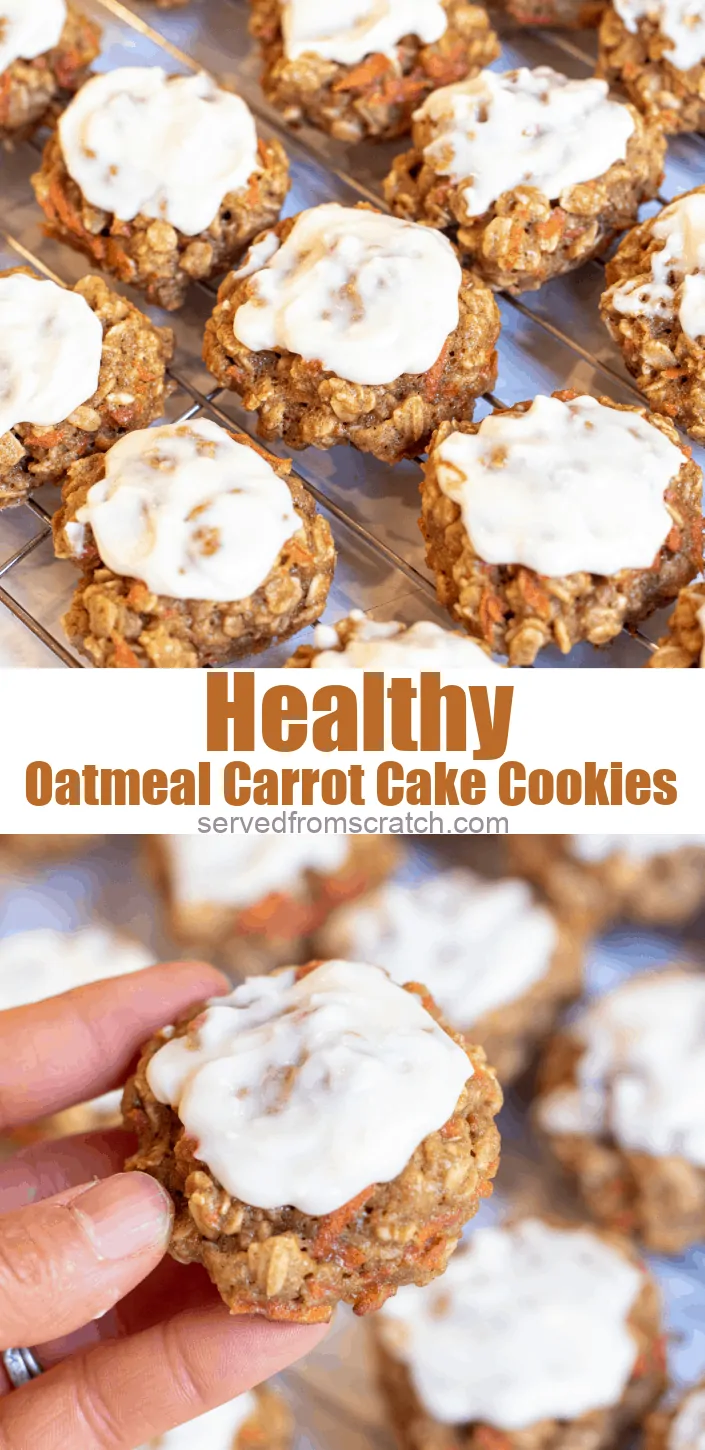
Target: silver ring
[(21, 1366)]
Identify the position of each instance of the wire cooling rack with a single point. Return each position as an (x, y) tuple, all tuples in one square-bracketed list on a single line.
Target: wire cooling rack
[(333, 1391), (550, 339)]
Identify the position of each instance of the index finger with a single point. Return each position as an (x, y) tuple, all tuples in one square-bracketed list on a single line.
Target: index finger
[(73, 1047)]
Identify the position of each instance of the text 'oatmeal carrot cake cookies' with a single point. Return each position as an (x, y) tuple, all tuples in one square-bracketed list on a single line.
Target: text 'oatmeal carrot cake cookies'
[(46, 47), (540, 1335), (42, 963), (655, 50), (684, 645), (257, 901), (498, 963), (531, 172), (620, 1101), (681, 1427), (81, 367), (654, 307), (323, 1135), (159, 179), (196, 547), (348, 326), (359, 643), (359, 70), (257, 1420), (558, 521), (595, 880)]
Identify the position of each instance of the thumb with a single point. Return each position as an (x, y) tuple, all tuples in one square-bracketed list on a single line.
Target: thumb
[(68, 1259)]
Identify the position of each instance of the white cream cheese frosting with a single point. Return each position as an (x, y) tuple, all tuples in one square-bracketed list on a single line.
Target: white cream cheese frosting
[(636, 849), (681, 21), (307, 1092), (677, 282), (51, 345), (528, 1323), (368, 296), (189, 511), (523, 128), (139, 142), (239, 871), (41, 963), (687, 1430), (391, 646), (641, 1073), (564, 488), (475, 944), (349, 30), (218, 1429), (29, 28)]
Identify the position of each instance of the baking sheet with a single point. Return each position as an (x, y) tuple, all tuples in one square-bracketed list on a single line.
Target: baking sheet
[(333, 1392), (551, 339)]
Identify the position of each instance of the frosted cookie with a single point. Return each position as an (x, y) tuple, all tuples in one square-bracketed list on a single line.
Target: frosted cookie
[(533, 174), (196, 548), (323, 1135), (33, 850), (46, 47), (679, 1428), (655, 50), (654, 307), (348, 326), (567, 14), (559, 520), (684, 645), (620, 1101), (359, 643), (258, 900), (82, 368), (42, 963), (540, 1336), (360, 68), (498, 963), (257, 1420), (595, 880), (159, 179)]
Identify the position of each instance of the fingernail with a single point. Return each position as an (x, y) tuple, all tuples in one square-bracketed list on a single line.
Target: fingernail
[(124, 1215)]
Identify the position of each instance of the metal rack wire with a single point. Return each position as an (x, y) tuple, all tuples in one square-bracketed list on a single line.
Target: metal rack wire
[(549, 339)]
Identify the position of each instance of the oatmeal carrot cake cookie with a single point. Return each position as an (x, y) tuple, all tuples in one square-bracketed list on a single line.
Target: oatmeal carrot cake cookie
[(46, 47), (196, 547), (323, 1135), (83, 367), (257, 1420), (361, 72), (359, 643), (654, 307), (595, 880), (684, 645), (499, 964), (655, 50), (679, 1428), (42, 963), (19, 850), (620, 1101), (258, 901), (348, 326), (558, 521), (159, 179), (567, 14), (532, 173), (540, 1335)]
